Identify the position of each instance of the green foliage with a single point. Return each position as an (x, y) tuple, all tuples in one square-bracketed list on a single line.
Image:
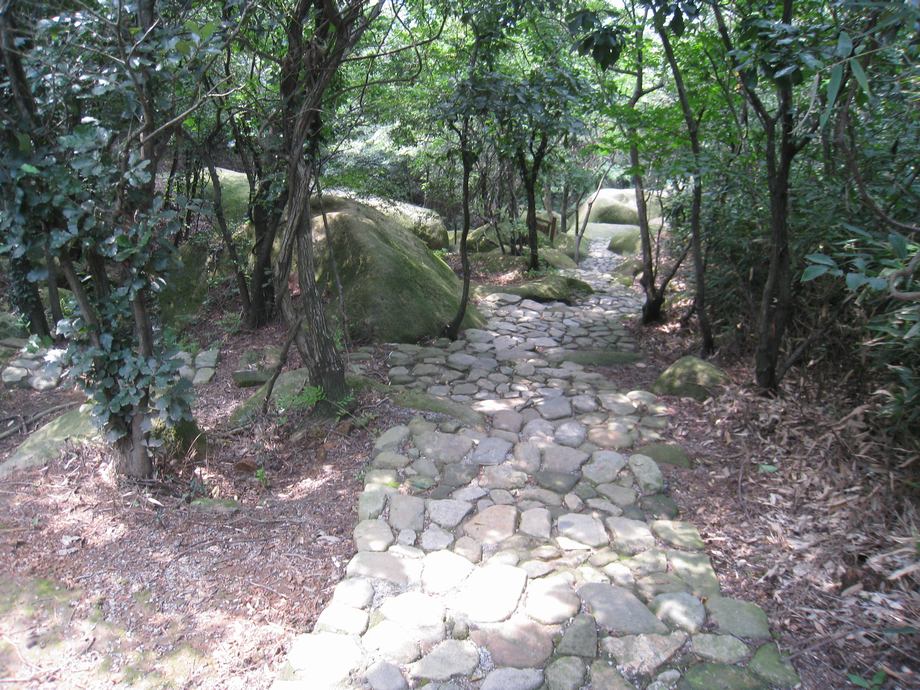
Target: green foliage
[(874, 683), (869, 265), (305, 399)]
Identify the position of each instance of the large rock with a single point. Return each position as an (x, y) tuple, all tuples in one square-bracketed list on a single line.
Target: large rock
[(395, 289), (690, 377), (550, 288), (614, 206), (421, 222), (46, 443), (624, 239)]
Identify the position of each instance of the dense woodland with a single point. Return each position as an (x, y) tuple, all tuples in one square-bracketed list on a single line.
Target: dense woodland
[(778, 141)]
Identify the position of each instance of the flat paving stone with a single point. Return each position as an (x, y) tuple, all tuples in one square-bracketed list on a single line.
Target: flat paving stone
[(449, 658), (406, 512), (382, 566), (385, 676), (491, 451), (490, 594), (492, 525), (443, 571), (517, 642), (565, 673), (558, 482), (629, 536), (413, 610), (582, 528), (580, 637), (551, 601), (618, 611), (513, 679), (562, 459), (739, 618), (723, 649), (679, 610), (372, 535), (643, 653), (604, 466), (554, 408), (448, 512), (536, 522)]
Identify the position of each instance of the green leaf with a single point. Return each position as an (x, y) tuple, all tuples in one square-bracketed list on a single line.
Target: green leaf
[(29, 168), (844, 45), (813, 272), (765, 468), (856, 280), (833, 88), (858, 681), (899, 244), (860, 76), (823, 259)]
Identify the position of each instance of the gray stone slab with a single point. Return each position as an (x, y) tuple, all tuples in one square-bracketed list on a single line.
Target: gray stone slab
[(618, 611)]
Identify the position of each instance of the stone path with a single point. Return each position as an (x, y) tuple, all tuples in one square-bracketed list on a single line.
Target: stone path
[(538, 551), (43, 369)]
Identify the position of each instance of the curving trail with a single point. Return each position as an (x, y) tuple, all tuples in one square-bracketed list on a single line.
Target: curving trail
[(538, 550)]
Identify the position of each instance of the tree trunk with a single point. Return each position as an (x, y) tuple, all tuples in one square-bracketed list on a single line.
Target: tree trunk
[(776, 300), (266, 217), (453, 328), (651, 309), (315, 343), (241, 283), (706, 341), (27, 298)]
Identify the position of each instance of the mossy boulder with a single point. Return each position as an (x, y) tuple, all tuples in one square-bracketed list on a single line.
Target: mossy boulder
[(625, 239), (626, 271), (288, 384), (44, 444), (551, 288), (690, 377), (616, 206), (557, 258), (482, 239), (421, 222), (186, 287), (181, 440), (395, 288)]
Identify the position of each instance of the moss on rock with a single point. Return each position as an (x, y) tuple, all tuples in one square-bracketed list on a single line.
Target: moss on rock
[(45, 443), (666, 453), (184, 439), (421, 222), (395, 289), (625, 239), (690, 377), (186, 287), (557, 258), (551, 288)]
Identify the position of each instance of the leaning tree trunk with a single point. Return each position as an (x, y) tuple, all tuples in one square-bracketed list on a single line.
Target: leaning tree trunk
[(453, 328), (315, 343)]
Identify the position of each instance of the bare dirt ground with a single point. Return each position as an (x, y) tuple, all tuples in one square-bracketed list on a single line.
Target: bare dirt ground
[(106, 582)]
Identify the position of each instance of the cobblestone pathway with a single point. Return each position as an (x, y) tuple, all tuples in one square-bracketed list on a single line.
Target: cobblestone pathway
[(536, 551)]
